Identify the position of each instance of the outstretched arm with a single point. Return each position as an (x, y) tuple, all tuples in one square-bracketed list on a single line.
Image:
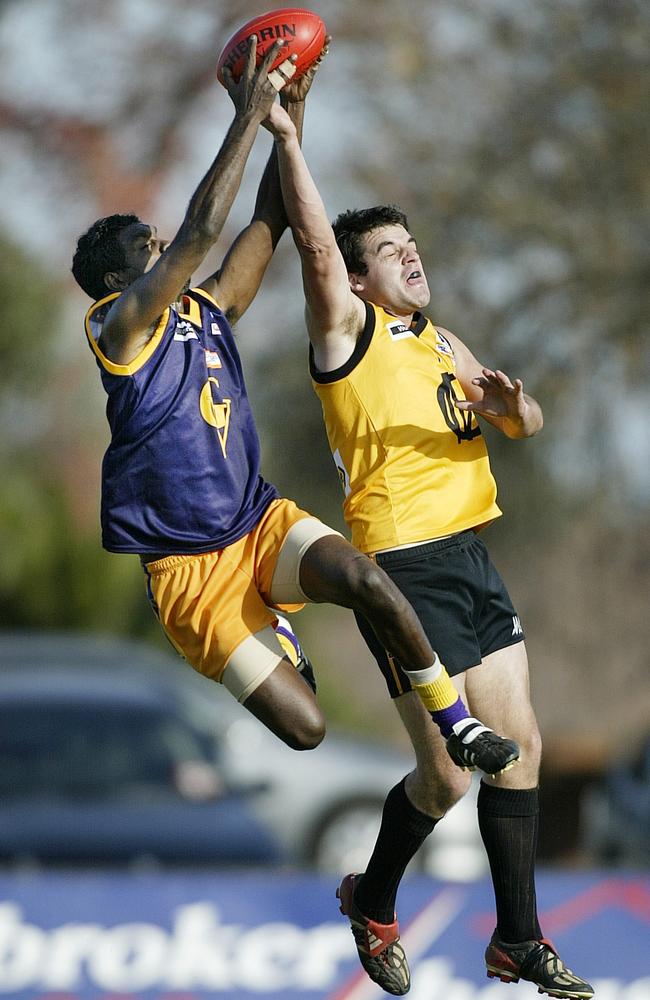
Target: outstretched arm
[(335, 316), (130, 321), (238, 279), (494, 396)]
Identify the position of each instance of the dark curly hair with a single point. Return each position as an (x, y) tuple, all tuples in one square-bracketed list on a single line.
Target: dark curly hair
[(99, 251), (350, 228)]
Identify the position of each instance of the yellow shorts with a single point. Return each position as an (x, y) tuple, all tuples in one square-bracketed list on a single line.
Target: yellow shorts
[(209, 604)]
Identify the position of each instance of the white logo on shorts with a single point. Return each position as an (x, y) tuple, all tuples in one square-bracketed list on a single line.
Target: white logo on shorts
[(516, 626)]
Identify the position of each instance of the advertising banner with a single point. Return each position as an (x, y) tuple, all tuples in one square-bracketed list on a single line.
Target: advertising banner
[(279, 936)]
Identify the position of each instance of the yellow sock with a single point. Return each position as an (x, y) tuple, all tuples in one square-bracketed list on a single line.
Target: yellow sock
[(437, 695)]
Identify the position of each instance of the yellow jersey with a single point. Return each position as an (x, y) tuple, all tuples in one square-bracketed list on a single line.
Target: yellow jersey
[(412, 465)]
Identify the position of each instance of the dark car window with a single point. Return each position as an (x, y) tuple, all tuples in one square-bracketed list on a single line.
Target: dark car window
[(82, 751)]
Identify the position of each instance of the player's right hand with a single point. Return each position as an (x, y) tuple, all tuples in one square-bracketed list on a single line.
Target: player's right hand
[(297, 90), (256, 90)]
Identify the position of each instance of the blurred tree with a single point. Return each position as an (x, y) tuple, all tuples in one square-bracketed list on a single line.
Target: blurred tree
[(52, 572)]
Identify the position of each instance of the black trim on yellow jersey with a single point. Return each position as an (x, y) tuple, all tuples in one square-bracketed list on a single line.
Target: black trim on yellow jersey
[(363, 343), (418, 326)]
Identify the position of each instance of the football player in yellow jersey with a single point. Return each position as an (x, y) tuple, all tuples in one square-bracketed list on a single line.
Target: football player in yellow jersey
[(400, 400)]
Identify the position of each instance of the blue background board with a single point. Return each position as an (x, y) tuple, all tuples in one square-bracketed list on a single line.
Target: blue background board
[(192, 936)]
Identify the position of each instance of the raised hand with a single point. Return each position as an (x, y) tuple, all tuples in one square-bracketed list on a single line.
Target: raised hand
[(257, 88), (297, 90), (505, 404), (501, 397)]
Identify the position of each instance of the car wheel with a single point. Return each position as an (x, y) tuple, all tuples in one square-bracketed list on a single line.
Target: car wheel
[(345, 839)]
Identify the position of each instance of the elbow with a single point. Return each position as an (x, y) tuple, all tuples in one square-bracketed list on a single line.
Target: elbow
[(197, 236), (309, 248), (305, 244)]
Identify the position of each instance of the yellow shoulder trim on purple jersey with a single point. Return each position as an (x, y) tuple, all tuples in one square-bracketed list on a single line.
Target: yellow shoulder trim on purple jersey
[(191, 310), (93, 332), (206, 295)]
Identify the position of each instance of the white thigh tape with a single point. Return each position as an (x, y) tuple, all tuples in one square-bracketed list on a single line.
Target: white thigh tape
[(285, 586), (251, 663)]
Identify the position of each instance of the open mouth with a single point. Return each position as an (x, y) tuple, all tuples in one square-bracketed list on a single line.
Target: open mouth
[(414, 278)]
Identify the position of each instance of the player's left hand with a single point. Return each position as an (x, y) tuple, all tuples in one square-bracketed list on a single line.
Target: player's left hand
[(501, 397), (297, 90), (256, 89)]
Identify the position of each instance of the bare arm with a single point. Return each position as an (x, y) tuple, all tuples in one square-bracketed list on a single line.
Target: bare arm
[(130, 322), (492, 395), (335, 316), (238, 279)]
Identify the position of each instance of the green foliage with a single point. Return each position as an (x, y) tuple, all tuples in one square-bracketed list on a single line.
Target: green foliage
[(53, 572), (29, 307), (54, 576)]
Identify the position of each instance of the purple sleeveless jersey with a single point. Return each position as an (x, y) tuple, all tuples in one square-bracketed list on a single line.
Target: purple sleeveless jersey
[(182, 471)]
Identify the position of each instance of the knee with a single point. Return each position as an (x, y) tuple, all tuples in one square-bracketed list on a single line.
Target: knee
[(531, 748), (529, 738), (307, 733), (526, 772), (372, 590)]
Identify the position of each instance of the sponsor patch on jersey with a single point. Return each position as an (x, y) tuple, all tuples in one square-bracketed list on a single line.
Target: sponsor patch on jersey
[(214, 329), (185, 331), (398, 330), (212, 359), (443, 345)]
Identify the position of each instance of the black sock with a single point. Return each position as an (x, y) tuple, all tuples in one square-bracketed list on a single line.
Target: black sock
[(403, 830), (508, 819)]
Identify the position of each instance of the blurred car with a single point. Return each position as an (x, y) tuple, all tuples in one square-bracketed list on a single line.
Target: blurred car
[(323, 806), (110, 767), (615, 813)]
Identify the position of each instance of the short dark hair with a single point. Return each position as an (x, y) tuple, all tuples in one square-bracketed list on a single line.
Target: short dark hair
[(350, 227), (99, 251)]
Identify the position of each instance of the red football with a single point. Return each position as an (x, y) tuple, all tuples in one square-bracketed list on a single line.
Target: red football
[(303, 31)]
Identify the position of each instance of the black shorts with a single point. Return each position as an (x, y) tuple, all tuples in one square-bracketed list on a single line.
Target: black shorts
[(458, 596)]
